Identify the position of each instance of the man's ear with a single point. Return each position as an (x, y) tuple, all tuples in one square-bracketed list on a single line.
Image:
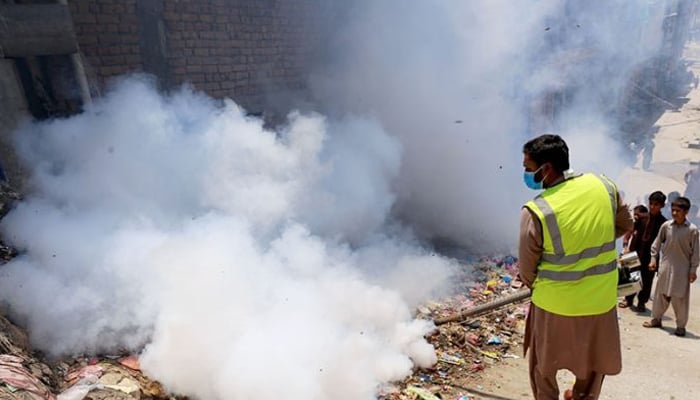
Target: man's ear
[(546, 169)]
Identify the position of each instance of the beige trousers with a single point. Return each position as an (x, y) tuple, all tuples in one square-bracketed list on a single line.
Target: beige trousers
[(681, 307)]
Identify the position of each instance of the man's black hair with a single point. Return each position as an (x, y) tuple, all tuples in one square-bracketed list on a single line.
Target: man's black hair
[(681, 202), (657, 197), (548, 149), (641, 208)]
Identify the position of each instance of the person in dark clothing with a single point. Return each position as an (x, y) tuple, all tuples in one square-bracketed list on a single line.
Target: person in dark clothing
[(640, 216), (642, 238)]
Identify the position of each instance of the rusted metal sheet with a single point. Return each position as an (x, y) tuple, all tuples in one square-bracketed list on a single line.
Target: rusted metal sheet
[(36, 29)]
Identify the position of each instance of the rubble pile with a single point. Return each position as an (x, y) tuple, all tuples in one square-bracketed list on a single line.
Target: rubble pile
[(106, 378), (23, 376), (465, 347)]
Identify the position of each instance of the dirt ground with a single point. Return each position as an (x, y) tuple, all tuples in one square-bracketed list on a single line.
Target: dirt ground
[(656, 364)]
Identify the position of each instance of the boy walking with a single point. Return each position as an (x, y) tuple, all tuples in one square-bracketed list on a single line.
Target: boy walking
[(642, 238), (678, 243)]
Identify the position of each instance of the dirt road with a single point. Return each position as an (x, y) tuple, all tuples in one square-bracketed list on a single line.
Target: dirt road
[(656, 364)]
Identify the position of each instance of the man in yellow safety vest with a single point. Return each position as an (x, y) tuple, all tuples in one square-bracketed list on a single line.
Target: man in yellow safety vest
[(568, 258)]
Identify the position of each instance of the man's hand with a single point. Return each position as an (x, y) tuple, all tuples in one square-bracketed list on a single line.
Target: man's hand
[(652, 265), (692, 277)]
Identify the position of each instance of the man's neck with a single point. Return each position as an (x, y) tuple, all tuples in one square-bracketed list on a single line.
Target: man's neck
[(555, 181)]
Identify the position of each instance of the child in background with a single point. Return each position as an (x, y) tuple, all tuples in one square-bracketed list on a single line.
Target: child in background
[(678, 244), (642, 237), (640, 215)]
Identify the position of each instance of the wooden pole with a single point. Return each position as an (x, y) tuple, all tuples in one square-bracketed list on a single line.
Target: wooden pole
[(486, 307)]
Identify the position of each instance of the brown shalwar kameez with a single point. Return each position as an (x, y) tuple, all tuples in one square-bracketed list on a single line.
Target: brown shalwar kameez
[(588, 346), (678, 244)]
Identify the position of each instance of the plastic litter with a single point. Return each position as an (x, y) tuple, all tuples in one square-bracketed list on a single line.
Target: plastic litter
[(466, 347), (80, 389), (494, 340), (131, 362), (14, 374), (422, 393), (451, 359)]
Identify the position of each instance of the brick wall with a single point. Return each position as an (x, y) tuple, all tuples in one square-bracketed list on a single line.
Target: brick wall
[(249, 50), (108, 36)]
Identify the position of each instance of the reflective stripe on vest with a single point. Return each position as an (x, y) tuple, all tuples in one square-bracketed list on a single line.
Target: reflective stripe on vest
[(559, 257), (599, 269)]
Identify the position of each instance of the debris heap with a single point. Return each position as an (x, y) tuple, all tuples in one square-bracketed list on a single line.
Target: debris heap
[(466, 346), (23, 376)]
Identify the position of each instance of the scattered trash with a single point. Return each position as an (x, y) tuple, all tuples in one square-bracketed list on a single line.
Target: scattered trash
[(80, 389), (130, 362), (451, 359), (421, 393), (494, 340), (83, 372), (388, 389), (469, 345), (490, 354), (424, 310), (477, 367), (473, 339), (18, 377)]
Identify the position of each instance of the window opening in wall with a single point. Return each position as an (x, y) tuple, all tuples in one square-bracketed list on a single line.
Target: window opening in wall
[(49, 86)]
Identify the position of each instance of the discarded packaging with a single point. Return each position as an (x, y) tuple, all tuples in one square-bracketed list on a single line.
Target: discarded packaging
[(421, 393)]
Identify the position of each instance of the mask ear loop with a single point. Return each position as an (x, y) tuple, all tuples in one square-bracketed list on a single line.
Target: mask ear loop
[(544, 177)]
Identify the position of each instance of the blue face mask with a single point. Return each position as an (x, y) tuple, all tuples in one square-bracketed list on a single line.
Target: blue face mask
[(529, 179)]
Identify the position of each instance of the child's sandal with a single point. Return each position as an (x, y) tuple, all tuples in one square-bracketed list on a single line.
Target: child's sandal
[(652, 324)]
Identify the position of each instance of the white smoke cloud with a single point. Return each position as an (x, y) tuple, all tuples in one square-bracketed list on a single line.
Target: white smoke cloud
[(463, 85), (245, 262)]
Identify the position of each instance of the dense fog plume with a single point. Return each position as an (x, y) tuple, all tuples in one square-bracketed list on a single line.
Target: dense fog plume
[(463, 84), (246, 263)]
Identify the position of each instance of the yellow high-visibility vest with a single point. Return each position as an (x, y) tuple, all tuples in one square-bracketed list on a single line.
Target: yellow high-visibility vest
[(577, 274)]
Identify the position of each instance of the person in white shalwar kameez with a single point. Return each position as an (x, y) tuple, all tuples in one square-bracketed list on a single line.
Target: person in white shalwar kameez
[(677, 242)]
